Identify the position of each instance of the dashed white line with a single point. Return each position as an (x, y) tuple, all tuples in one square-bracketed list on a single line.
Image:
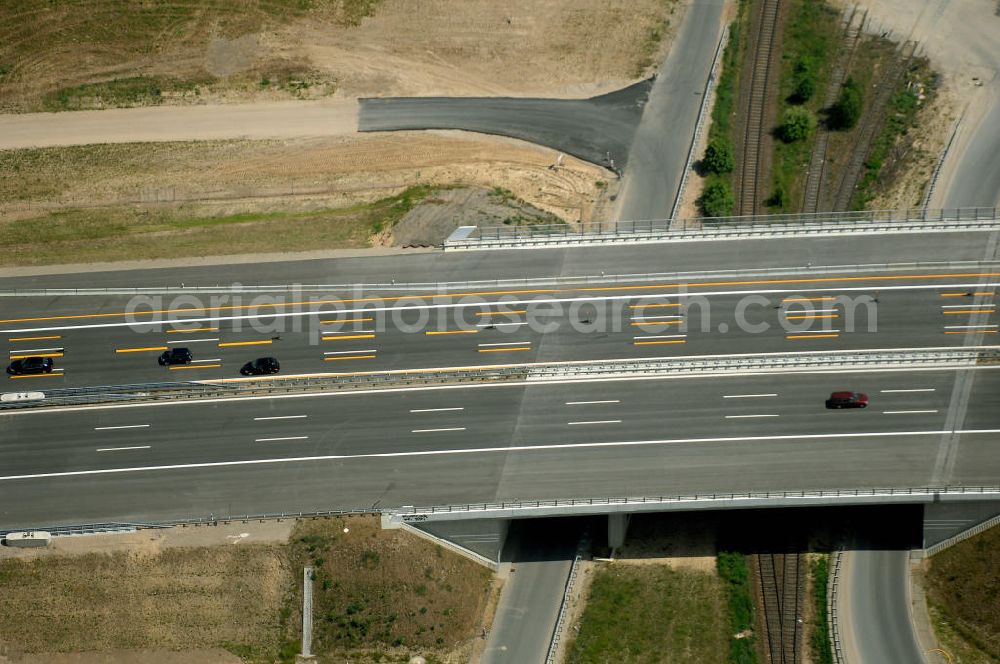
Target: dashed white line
[(435, 410), (119, 449), (749, 396), (273, 440), (809, 311), (349, 352), (595, 422), (906, 412), (123, 426), (587, 403), (742, 417), (501, 324), (968, 306), (662, 336), (822, 331), (437, 430), (509, 343), (280, 417), (656, 317), (19, 351), (918, 389), (191, 341), (966, 327), (218, 359)]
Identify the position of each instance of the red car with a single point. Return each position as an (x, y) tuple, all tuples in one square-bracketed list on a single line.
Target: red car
[(847, 400)]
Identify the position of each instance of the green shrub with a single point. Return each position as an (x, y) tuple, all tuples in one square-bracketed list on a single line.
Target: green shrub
[(719, 156), (717, 200), (797, 123), (732, 567), (846, 111), (804, 77)]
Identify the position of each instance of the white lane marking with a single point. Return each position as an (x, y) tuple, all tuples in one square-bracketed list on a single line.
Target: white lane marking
[(349, 332), (821, 331), (123, 426), (434, 410), (749, 396), (273, 440), (741, 417), (656, 317), (494, 450), (808, 311), (280, 417), (349, 352), (968, 306), (906, 412), (536, 302), (437, 430), (501, 324), (967, 327), (19, 351), (118, 449), (596, 422), (587, 403), (191, 341), (509, 343), (918, 389), (662, 336), (218, 359)]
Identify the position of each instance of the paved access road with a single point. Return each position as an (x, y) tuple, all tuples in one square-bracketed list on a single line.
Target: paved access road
[(475, 443)]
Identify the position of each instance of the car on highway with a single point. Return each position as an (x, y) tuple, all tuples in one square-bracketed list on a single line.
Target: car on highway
[(847, 400), (175, 356), (30, 365), (261, 367)]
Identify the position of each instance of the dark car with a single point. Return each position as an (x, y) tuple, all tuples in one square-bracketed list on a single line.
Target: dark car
[(175, 356), (30, 365), (847, 400), (261, 367)]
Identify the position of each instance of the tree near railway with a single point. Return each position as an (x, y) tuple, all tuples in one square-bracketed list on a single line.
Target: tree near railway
[(719, 157), (803, 80), (717, 200), (846, 111)]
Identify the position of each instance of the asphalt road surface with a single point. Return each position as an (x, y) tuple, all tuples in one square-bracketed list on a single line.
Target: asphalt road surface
[(598, 129)]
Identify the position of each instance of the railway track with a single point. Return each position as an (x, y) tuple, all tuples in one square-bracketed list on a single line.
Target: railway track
[(853, 27), (872, 121), (782, 585), (750, 181)]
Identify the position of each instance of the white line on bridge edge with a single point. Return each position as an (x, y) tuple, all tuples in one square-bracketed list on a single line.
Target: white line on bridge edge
[(586, 403), (272, 440), (493, 450), (123, 426), (434, 410), (436, 430), (749, 396), (118, 449), (596, 422), (280, 417)]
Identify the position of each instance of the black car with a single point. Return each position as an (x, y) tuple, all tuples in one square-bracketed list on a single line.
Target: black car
[(30, 365), (261, 367), (175, 356)]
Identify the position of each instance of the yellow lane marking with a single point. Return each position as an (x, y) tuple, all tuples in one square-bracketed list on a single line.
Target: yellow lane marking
[(194, 329), (968, 311), (503, 350), (811, 336), (967, 294), (653, 306), (21, 357), (970, 331), (657, 322), (453, 332), (984, 293), (398, 298), (195, 366), (259, 342), (349, 336), (37, 375), (808, 299), (501, 313), (656, 343), (349, 357), (58, 336), (346, 320), (140, 350), (812, 316)]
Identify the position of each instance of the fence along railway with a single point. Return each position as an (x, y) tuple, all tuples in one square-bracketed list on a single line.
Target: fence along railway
[(782, 588)]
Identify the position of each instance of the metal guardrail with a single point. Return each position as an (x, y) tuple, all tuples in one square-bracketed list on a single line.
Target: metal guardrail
[(560, 625), (877, 221), (922, 493), (832, 616), (431, 288), (962, 536), (529, 372)]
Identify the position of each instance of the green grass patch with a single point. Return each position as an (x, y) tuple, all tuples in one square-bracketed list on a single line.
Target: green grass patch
[(812, 35), (901, 117), (131, 232), (822, 649), (651, 614), (119, 93), (963, 590), (735, 574)]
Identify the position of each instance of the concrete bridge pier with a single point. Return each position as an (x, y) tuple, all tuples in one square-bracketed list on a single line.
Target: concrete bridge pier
[(617, 527)]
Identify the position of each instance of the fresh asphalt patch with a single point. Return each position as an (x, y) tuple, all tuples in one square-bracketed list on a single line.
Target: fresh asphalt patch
[(599, 129)]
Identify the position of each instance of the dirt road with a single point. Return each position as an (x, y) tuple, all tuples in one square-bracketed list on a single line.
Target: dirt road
[(180, 123)]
